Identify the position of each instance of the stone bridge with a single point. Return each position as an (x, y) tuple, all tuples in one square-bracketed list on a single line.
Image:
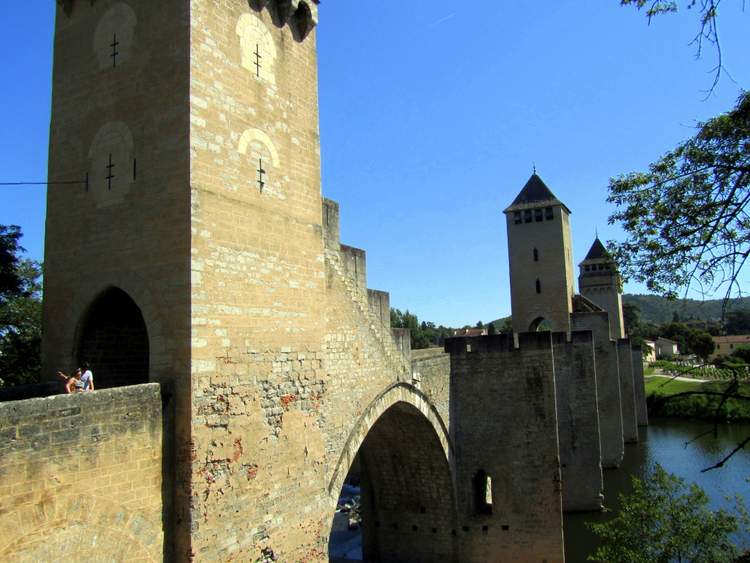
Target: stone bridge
[(243, 367)]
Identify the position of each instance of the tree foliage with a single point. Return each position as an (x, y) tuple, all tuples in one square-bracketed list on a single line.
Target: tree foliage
[(686, 218), (20, 312), (664, 520), (10, 281), (737, 322), (424, 334)]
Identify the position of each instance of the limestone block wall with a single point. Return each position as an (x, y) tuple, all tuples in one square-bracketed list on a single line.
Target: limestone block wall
[(380, 305), (504, 427), (81, 477), (640, 386), (120, 126), (578, 421), (627, 391), (431, 370), (608, 386)]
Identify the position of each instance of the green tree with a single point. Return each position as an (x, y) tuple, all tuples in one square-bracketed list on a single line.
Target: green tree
[(742, 353), (20, 312), (11, 284), (737, 322), (686, 217), (702, 344), (631, 315), (665, 520)]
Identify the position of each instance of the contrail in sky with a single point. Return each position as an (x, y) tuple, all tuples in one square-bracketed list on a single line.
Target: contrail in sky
[(443, 19)]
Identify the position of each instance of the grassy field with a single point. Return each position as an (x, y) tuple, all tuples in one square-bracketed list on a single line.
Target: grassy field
[(659, 388)]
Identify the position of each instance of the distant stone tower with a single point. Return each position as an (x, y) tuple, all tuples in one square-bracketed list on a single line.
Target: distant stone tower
[(541, 259), (599, 281)]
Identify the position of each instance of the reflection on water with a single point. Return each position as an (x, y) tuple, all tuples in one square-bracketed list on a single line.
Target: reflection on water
[(664, 442)]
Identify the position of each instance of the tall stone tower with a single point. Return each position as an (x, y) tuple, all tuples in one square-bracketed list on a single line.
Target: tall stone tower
[(541, 259), (194, 240), (599, 281)]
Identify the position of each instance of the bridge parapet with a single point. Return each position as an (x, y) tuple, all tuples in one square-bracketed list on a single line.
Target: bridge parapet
[(83, 472)]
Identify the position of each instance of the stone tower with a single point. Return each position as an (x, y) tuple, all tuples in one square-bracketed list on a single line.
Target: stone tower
[(599, 281), (541, 259), (194, 240)]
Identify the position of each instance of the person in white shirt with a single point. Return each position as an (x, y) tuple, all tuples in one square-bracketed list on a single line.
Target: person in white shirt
[(81, 381)]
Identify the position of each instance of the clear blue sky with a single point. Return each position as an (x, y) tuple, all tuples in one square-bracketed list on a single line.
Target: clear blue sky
[(432, 115)]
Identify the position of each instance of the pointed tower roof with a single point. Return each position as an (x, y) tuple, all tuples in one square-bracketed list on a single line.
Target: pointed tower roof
[(597, 252), (534, 194)]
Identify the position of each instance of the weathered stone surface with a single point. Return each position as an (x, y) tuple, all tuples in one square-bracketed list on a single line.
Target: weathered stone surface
[(504, 424), (607, 385), (627, 391), (640, 386), (81, 477), (578, 421)]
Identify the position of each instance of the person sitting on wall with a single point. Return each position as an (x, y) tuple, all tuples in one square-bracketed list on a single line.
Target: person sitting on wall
[(79, 382)]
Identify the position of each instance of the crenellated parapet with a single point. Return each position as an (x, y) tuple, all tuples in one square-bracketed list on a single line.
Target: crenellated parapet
[(300, 15)]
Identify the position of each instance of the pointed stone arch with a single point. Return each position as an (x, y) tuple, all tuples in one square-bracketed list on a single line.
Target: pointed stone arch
[(396, 393), (161, 359), (112, 337), (403, 465)]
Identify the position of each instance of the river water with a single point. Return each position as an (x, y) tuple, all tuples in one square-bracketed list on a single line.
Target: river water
[(664, 442)]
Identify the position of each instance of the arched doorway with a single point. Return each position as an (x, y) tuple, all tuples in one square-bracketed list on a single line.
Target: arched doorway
[(113, 340), (398, 495), (540, 324)]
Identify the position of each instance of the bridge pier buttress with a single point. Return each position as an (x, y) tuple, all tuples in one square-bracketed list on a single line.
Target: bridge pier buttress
[(640, 386), (608, 385), (578, 421), (504, 430), (627, 391)]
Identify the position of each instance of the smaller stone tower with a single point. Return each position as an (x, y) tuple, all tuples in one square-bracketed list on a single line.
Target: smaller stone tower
[(541, 259), (599, 281)]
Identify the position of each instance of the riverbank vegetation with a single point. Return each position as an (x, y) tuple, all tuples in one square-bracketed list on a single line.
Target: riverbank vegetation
[(712, 400), (665, 519)]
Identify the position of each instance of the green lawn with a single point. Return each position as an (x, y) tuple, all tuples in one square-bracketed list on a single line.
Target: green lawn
[(694, 406)]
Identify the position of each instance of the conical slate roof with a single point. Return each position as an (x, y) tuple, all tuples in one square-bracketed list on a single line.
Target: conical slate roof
[(597, 251), (535, 192)]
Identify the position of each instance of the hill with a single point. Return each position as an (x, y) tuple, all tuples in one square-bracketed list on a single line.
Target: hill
[(660, 310)]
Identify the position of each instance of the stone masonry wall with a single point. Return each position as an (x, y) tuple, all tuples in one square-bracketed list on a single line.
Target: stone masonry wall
[(640, 387), (81, 477), (578, 421), (504, 424), (431, 369), (607, 384), (627, 391)]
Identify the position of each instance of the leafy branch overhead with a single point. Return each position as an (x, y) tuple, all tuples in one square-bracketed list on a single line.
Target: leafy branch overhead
[(708, 31), (686, 218)]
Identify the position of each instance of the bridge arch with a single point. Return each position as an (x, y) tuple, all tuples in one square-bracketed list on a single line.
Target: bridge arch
[(400, 455)]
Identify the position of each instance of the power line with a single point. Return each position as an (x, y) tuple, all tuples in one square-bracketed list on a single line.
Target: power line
[(63, 183)]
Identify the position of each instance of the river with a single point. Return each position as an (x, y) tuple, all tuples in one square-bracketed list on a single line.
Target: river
[(663, 442)]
